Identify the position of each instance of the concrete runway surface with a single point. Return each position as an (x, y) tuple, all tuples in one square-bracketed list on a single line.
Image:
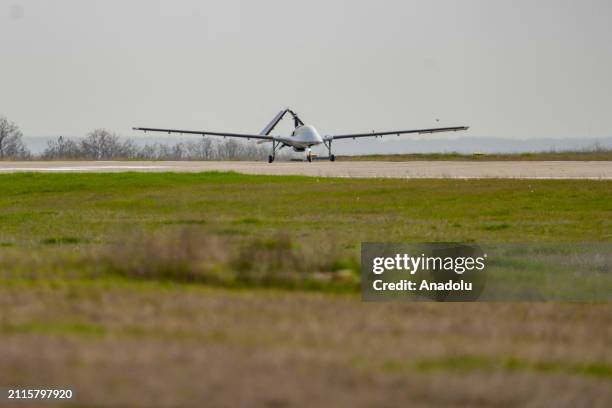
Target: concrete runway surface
[(601, 170)]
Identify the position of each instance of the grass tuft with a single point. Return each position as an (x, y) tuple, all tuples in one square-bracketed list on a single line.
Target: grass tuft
[(196, 256), (185, 222), (249, 221), (80, 329), (496, 227), (469, 363), (64, 241)]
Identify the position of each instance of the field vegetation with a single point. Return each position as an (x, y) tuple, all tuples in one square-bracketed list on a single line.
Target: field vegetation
[(220, 289)]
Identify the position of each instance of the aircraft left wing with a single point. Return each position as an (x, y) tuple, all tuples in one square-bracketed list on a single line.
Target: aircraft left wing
[(206, 133), (397, 132)]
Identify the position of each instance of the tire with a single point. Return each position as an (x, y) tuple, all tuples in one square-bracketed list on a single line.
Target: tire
[(332, 158), (309, 157), (270, 159)]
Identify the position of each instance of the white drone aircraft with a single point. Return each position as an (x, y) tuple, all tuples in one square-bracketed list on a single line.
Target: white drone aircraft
[(303, 137)]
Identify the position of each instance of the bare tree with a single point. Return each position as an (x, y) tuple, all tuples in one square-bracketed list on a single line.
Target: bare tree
[(229, 150), (11, 141), (148, 152), (61, 148), (102, 144), (251, 151), (202, 150), (169, 152)]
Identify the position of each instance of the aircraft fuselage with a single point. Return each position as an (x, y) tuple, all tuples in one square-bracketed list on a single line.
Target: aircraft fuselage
[(304, 137)]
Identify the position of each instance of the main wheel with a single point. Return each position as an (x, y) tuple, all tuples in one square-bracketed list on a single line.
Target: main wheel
[(309, 158), (332, 158), (270, 159)]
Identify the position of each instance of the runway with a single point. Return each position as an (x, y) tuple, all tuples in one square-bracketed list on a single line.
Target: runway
[(597, 170)]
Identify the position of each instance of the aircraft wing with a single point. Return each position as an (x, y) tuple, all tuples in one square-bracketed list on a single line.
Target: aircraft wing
[(206, 133), (397, 132)]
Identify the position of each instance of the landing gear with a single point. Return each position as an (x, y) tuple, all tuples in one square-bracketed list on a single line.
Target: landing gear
[(275, 146), (328, 145)]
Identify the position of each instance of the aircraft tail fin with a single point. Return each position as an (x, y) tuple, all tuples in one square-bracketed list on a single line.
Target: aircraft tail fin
[(296, 121), (266, 131)]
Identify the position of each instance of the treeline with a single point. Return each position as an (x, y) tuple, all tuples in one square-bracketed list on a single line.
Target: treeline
[(11, 141), (102, 144)]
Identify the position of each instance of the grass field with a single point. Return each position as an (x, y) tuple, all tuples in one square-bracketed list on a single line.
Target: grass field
[(222, 289), (599, 154)]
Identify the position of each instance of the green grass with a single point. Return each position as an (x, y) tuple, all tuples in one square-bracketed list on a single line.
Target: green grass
[(73, 209), (292, 232)]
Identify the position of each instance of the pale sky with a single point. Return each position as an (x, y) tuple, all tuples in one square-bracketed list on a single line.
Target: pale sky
[(510, 69)]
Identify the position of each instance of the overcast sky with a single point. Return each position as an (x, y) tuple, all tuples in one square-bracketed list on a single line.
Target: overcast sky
[(512, 69)]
